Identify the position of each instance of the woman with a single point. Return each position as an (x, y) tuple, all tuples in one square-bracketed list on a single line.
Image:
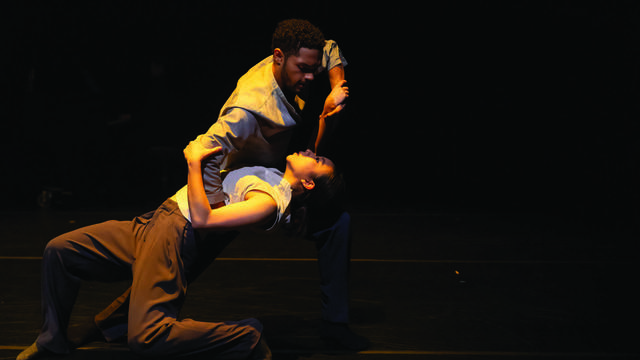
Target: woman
[(163, 250), (256, 199)]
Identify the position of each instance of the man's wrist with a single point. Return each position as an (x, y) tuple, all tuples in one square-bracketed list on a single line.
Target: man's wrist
[(194, 165)]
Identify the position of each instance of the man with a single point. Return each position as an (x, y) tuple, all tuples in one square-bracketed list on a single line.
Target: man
[(255, 127)]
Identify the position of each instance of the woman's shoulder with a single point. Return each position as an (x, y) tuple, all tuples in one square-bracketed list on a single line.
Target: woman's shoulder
[(269, 175)]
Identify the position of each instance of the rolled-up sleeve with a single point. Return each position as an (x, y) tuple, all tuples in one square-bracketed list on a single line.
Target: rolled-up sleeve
[(231, 131), (332, 55)]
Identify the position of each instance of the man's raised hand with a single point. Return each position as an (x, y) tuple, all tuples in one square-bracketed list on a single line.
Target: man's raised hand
[(336, 101)]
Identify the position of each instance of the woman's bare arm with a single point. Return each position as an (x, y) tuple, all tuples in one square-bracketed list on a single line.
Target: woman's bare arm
[(257, 208)]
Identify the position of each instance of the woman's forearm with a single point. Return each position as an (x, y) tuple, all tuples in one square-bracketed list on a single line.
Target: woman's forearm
[(256, 208), (322, 126), (199, 207)]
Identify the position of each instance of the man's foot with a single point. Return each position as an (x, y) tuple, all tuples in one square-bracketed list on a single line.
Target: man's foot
[(33, 352), (340, 334), (261, 351)]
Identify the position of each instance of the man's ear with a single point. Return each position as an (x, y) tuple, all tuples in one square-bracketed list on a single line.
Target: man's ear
[(308, 184), (278, 56)]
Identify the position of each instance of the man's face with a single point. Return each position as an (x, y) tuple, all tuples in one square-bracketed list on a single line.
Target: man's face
[(300, 69)]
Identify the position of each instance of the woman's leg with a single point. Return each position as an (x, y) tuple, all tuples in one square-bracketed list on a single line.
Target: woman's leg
[(158, 291), (101, 252), (112, 322)]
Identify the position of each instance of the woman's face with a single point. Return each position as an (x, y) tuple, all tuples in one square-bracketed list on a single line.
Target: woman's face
[(306, 165)]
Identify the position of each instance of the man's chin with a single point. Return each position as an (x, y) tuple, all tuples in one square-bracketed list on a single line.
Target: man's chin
[(300, 88), (296, 90)]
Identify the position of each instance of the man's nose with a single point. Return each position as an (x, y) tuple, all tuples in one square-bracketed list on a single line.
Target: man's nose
[(309, 76)]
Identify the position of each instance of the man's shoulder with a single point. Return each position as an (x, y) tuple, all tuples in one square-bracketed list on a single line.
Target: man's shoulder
[(258, 93), (258, 79), (253, 88)]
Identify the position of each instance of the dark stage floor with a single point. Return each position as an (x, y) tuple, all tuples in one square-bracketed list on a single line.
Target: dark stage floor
[(424, 286)]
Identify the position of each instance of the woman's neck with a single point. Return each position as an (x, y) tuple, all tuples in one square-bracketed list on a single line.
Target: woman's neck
[(296, 187)]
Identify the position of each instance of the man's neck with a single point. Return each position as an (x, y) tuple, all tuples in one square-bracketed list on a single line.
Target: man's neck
[(291, 98), (289, 95)]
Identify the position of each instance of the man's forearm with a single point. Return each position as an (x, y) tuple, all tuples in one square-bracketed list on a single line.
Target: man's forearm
[(336, 75)]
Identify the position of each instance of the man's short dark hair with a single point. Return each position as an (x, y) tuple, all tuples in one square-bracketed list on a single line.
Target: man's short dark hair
[(293, 34)]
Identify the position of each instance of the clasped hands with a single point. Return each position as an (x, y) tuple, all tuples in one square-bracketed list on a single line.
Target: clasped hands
[(336, 101)]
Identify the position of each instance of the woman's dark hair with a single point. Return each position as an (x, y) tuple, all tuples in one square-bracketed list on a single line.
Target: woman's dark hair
[(319, 208), (291, 35)]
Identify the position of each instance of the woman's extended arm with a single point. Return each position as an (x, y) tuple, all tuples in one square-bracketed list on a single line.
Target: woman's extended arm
[(257, 208), (335, 102)]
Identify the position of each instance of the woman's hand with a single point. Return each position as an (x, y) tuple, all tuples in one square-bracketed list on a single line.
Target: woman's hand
[(336, 100), (195, 152)]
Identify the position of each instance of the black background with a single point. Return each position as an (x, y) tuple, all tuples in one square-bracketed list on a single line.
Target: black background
[(456, 106)]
